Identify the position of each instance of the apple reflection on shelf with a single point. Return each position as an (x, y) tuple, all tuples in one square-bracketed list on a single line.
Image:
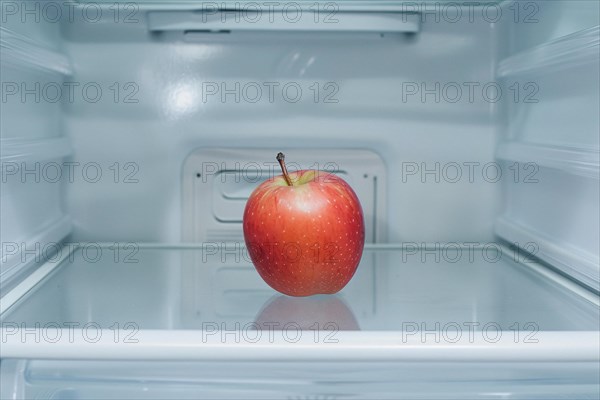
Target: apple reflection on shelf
[(319, 312)]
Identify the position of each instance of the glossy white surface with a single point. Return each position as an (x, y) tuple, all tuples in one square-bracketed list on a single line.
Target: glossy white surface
[(32, 144), (171, 118), (396, 323), (550, 146)]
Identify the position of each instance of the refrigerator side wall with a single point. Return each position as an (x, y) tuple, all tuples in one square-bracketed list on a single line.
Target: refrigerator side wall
[(34, 150), (550, 142)]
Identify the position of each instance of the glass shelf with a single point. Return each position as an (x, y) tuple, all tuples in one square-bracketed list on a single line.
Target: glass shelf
[(218, 288), (184, 322)]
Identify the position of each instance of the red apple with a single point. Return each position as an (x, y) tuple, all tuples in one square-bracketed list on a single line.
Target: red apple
[(304, 232)]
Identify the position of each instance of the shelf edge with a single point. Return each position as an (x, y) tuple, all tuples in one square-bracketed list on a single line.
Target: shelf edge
[(562, 53), (24, 51), (30, 282), (16, 150), (577, 161), (578, 264)]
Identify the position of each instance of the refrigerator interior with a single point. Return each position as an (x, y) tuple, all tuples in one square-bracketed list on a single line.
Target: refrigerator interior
[(133, 133)]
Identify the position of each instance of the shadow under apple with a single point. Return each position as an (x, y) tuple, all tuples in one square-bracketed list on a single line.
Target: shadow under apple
[(319, 312)]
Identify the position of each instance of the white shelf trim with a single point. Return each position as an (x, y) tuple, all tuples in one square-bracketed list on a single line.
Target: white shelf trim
[(385, 22), (22, 50), (565, 52), (192, 345), (576, 161)]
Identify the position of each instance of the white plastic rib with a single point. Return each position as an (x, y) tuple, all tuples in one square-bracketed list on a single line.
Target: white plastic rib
[(22, 50), (565, 52), (20, 150), (583, 162)]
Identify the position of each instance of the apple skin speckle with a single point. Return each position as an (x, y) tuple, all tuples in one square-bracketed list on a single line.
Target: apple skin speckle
[(308, 238)]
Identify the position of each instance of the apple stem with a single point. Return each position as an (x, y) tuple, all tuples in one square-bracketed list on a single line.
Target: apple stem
[(286, 176)]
